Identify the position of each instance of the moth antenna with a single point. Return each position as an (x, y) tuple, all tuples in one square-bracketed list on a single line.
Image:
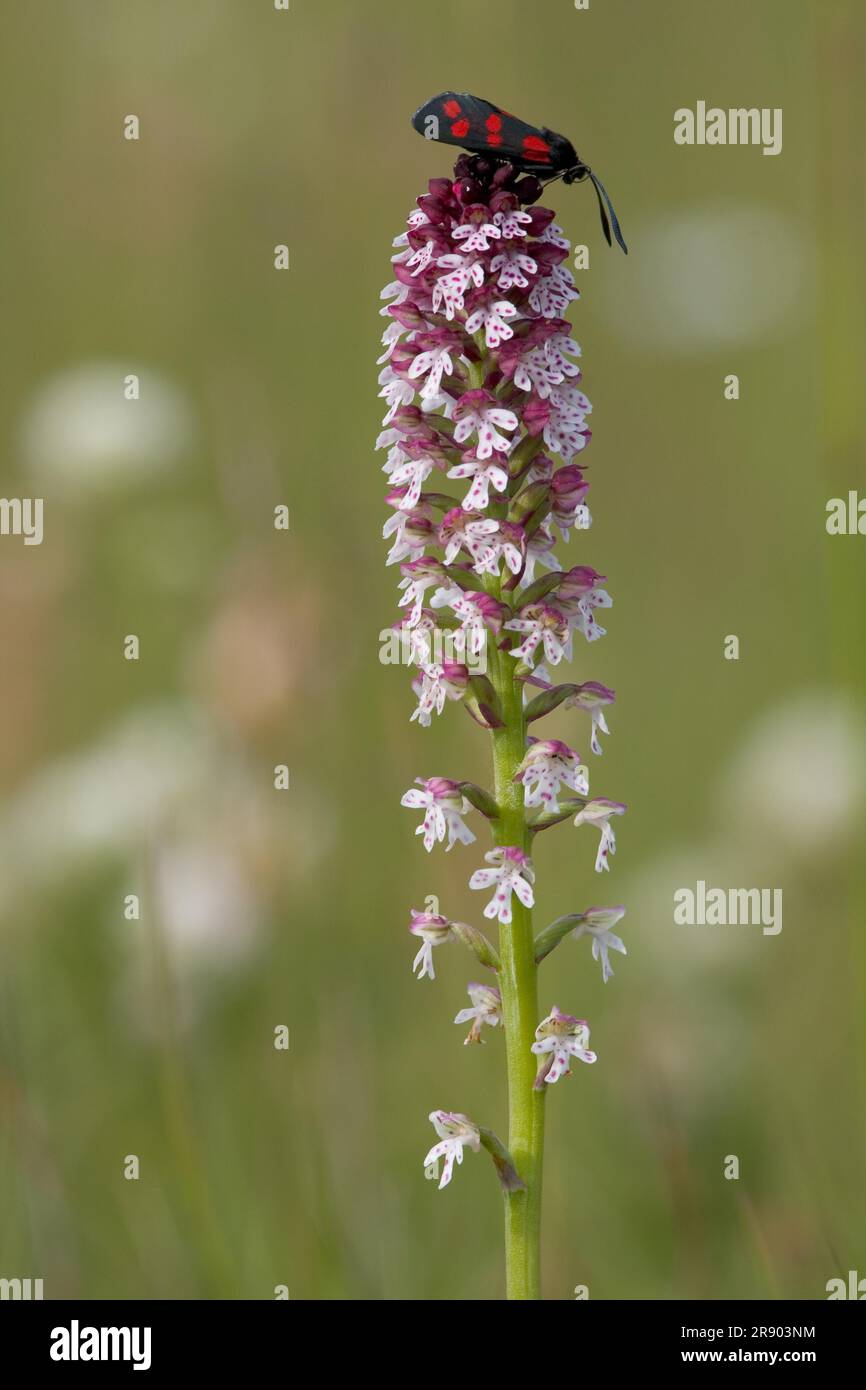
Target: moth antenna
[(601, 193)]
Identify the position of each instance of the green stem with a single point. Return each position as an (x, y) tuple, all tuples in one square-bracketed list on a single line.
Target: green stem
[(518, 972), (519, 1003)]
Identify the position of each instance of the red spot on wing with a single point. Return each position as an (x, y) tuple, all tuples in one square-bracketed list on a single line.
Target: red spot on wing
[(452, 108), (494, 126), (460, 128), (536, 148)]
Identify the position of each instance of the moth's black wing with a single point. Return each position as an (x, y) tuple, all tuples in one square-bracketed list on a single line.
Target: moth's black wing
[(458, 118)]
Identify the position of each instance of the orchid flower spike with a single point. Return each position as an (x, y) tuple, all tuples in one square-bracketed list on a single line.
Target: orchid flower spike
[(484, 419)]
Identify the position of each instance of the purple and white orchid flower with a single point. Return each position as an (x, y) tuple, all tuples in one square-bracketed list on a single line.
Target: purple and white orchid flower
[(558, 1038), (444, 807), (512, 872)]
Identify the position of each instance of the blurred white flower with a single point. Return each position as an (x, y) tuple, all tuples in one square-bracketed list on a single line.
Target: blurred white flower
[(799, 775), (201, 924), (792, 792), (79, 433), (711, 276), (106, 798), (205, 843), (161, 775), (206, 903), (669, 947)]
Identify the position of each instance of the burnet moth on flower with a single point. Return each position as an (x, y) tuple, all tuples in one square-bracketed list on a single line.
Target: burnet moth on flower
[(458, 118)]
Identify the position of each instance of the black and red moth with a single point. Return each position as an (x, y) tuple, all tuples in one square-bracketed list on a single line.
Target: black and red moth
[(458, 118)]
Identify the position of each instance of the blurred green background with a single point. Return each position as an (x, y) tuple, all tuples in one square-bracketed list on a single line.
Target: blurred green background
[(259, 647)]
